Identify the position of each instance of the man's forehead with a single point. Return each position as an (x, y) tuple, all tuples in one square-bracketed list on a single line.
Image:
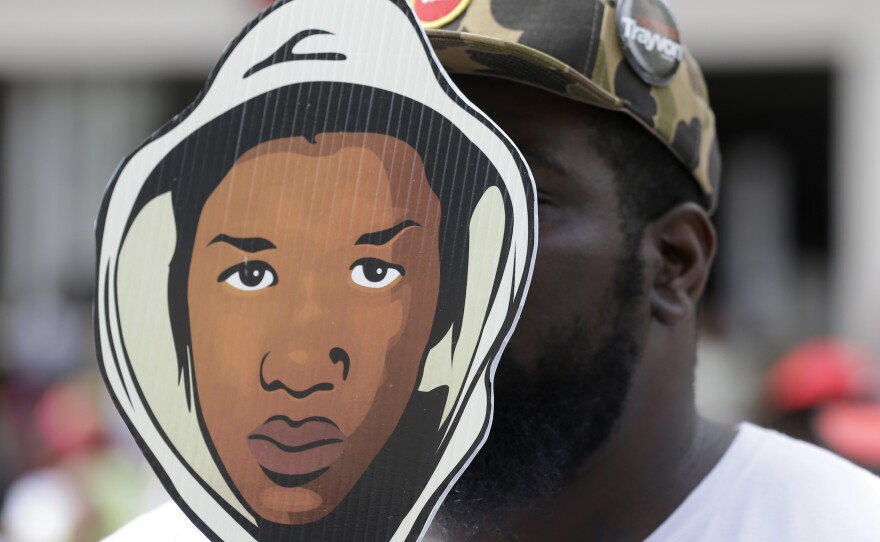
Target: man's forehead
[(554, 134), (536, 119)]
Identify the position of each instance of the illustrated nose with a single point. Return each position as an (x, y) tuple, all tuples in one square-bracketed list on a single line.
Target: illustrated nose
[(295, 375), (338, 355), (311, 312)]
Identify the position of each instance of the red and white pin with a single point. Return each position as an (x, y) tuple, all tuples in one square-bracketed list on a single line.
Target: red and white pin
[(438, 13)]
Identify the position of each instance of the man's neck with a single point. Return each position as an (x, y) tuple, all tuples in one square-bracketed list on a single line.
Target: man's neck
[(630, 487), (658, 453)]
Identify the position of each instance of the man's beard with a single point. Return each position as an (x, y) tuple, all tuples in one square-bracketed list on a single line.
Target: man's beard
[(549, 420)]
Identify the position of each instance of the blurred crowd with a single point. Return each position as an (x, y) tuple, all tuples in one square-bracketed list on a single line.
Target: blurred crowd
[(69, 469)]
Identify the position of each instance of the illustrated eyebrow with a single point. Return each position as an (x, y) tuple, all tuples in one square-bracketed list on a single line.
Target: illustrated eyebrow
[(247, 244), (382, 237)]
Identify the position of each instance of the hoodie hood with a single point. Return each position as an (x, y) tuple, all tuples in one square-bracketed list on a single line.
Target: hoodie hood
[(366, 48)]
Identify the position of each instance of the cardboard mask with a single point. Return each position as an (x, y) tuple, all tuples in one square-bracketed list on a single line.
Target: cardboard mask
[(306, 279)]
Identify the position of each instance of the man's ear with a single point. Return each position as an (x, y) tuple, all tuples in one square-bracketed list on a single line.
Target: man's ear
[(680, 246)]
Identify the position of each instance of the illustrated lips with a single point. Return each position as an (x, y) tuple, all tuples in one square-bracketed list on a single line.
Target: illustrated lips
[(289, 450)]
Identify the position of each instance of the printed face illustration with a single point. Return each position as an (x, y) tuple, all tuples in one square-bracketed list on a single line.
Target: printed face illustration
[(312, 290)]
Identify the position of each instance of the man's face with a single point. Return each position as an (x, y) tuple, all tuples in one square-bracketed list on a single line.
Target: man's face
[(566, 372), (312, 291)]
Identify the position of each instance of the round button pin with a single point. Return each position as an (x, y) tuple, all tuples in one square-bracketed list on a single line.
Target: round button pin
[(438, 13), (650, 39)]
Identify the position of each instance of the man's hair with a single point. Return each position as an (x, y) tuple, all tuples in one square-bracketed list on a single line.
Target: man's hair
[(650, 179)]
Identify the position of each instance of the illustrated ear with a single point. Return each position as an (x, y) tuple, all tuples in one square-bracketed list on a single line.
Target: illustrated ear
[(681, 247)]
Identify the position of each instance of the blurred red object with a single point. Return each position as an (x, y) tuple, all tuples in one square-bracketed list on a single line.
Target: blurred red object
[(816, 372), (852, 430), (67, 420)]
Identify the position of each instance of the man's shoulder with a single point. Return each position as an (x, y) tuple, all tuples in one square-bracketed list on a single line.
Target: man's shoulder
[(768, 486), (788, 464), (798, 482), (167, 522)]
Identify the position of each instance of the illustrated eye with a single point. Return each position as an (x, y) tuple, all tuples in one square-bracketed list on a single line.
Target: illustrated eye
[(249, 276), (373, 273)]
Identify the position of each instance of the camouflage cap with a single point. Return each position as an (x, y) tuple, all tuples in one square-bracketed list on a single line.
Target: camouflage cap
[(587, 51)]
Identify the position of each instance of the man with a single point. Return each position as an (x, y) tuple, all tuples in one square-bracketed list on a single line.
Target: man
[(595, 434)]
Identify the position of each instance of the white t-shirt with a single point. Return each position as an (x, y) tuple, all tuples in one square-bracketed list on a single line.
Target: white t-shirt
[(166, 523), (769, 487), (766, 487)]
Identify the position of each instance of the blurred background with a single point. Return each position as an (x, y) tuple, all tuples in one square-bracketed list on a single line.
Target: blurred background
[(790, 334)]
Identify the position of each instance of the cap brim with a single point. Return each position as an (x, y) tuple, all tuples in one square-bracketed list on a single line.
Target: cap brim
[(459, 53), (465, 53)]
